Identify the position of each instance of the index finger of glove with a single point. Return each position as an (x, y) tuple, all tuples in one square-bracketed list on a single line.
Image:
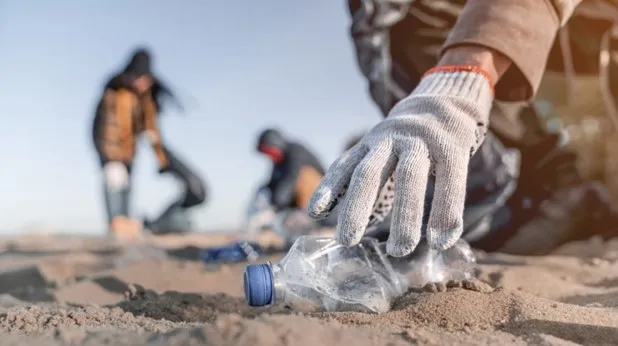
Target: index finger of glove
[(365, 184), (334, 183)]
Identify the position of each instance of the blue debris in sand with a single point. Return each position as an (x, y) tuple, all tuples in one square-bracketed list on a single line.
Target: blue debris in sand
[(236, 252)]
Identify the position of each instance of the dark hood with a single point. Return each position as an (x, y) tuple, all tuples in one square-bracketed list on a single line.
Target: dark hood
[(139, 65), (271, 138)]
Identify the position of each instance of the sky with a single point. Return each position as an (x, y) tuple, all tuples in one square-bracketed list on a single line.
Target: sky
[(240, 66)]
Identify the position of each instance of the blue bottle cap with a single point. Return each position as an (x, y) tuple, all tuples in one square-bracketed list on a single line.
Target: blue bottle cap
[(258, 281)]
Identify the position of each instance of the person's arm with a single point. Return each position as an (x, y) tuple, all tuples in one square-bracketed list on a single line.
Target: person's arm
[(118, 106), (152, 130), (283, 184), (282, 195), (509, 39)]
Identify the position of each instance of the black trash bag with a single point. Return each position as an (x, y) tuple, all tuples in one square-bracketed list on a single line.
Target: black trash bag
[(175, 218)]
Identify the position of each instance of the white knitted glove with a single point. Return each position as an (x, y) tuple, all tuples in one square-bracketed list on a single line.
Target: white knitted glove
[(435, 129)]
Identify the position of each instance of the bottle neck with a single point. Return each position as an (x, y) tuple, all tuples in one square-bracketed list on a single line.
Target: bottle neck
[(278, 284)]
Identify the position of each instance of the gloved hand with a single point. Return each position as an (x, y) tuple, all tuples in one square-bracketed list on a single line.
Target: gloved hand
[(436, 129)]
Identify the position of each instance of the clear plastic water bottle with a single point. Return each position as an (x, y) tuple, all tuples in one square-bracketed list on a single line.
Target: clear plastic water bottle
[(318, 274)]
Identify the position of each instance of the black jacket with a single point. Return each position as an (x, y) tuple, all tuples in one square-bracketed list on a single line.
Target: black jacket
[(285, 174)]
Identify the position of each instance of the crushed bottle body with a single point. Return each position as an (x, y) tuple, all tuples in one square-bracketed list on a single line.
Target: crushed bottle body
[(318, 274)]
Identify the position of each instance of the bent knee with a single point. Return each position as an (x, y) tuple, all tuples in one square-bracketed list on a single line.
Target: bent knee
[(306, 183)]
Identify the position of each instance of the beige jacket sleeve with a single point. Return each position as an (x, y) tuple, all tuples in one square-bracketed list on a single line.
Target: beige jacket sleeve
[(522, 30)]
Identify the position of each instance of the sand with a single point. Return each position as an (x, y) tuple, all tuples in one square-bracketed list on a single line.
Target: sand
[(68, 290)]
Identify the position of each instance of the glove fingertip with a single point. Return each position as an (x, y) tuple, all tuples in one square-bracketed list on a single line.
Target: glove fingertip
[(442, 239), (348, 234), (347, 237), (321, 204), (319, 214), (399, 249)]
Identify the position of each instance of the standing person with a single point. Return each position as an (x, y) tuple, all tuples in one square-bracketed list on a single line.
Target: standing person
[(438, 70), (130, 106)]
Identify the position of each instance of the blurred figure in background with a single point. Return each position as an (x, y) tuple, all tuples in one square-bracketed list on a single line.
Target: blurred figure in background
[(130, 106), (296, 171), (295, 174)]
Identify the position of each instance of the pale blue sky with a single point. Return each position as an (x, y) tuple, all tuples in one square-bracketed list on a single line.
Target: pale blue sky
[(247, 64)]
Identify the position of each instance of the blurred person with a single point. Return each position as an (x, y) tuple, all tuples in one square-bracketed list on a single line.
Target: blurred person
[(129, 107), (296, 172), (436, 167)]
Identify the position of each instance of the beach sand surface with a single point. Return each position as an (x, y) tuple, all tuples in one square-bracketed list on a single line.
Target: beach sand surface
[(71, 290)]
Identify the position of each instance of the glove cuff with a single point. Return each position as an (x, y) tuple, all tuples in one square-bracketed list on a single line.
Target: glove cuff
[(469, 82)]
